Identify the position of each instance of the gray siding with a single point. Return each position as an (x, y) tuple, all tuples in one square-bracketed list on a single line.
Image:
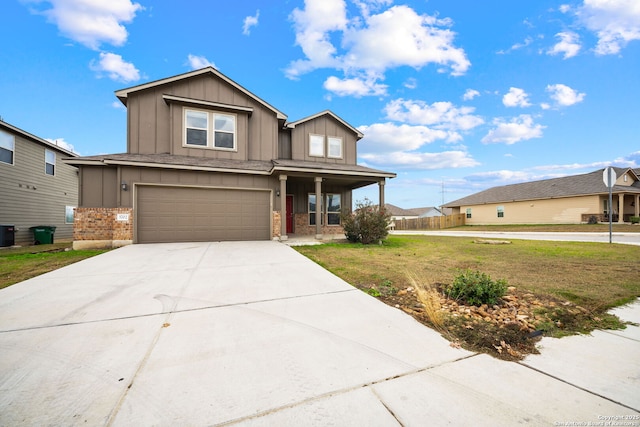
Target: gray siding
[(101, 187), (327, 126), (157, 127), (29, 197)]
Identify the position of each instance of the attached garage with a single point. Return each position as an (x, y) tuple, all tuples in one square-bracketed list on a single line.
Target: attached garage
[(199, 214)]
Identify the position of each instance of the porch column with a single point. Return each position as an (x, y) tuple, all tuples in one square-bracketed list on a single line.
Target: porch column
[(318, 207), (381, 194), (283, 207), (637, 205), (620, 208)]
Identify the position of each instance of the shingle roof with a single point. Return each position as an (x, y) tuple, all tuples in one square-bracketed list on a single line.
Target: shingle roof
[(247, 166), (397, 211), (568, 186)]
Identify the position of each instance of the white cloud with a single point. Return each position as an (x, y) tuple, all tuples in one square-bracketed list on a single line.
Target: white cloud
[(442, 115), (411, 83), (116, 68), (516, 97), (196, 62), (357, 87), (564, 95), (91, 22), (423, 161), (569, 45), (118, 105), (615, 22), (60, 142), (520, 128), (372, 43), (389, 137), (470, 94), (250, 21)]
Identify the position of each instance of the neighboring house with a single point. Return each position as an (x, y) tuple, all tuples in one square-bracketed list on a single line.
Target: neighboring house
[(36, 186), (568, 200), (398, 213), (207, 160), (431, 211)]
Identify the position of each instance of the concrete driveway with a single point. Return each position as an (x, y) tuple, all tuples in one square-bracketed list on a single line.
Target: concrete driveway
[(255, 334)]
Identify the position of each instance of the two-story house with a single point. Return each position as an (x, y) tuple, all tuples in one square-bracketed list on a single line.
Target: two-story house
[(36, 186), (207, 160)]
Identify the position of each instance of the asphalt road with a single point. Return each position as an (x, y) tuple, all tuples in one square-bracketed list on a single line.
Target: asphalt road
[(622, 238)]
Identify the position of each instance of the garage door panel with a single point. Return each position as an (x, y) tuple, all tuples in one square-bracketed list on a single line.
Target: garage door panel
[(182, 214)]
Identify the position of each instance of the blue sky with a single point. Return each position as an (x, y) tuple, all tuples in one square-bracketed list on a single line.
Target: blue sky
[(449, 95)]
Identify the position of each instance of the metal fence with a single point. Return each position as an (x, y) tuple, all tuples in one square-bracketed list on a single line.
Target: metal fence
[(430, 223)]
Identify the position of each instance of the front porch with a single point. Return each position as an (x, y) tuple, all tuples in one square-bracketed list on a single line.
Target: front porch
[(311, 198)]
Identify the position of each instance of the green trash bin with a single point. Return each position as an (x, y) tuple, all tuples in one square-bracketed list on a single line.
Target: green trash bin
[(43, 234)]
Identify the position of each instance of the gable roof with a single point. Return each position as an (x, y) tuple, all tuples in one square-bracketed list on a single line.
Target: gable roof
[(37, 139), (326, 113), (398, 211), (568, 186), (123, 94)]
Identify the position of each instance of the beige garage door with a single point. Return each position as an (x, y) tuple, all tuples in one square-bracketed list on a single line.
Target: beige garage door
[(180, 214)]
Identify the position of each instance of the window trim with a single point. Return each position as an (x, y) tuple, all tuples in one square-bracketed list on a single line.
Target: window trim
[(46, 162), (211, 129), (341, 145), (311, 154), (12, 150), (324, 213)]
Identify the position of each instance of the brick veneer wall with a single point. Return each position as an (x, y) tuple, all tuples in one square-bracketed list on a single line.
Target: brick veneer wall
[(304, 229), (99, 225), (277, 224)]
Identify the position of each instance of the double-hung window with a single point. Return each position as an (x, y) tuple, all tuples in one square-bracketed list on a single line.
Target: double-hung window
[(7, 147), (210, 130), (468, 212), (333, 209), (334, 147), (49, 162), (500, 211), (316, 145), (330, 206)]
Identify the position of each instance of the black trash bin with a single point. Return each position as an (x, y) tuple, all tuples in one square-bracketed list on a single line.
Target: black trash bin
[(43, 234), (7, 235)]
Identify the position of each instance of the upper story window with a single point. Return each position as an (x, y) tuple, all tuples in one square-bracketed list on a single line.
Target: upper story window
[(316, 145), (334, 147), (7, 147), (49, 162), (209, 130)]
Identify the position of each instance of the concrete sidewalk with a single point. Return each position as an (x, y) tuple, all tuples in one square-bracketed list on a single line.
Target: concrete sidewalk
[(255, 334)]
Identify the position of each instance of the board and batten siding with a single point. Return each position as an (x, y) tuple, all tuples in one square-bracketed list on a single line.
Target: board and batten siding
[(566, 210), (155, 126), (29, 197), (327, 127)]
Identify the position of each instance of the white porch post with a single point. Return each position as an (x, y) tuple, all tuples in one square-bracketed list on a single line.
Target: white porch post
[(381, 194), (283, 207), (318, 207), (620, 208)]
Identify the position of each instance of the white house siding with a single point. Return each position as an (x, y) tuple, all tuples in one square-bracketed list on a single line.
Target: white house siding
[(30, 197), (548, 211)]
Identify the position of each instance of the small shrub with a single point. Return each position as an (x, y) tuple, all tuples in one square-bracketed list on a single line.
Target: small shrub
[(367, 224), (635, 219), (593, 219), (476, 288)]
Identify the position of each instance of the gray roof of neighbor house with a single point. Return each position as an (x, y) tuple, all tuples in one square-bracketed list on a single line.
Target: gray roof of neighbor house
[(568, 186), (397, 211), (37, 139)]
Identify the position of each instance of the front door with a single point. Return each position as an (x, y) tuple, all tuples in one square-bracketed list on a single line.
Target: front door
[(289, 213)]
